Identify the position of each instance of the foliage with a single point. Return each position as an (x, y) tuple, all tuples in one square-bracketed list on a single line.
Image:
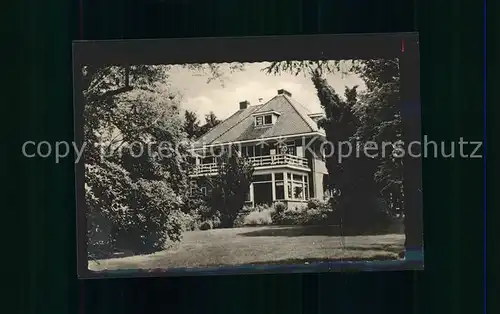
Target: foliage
[(188, 222), (381, 122), (212, 223), (230, 185), (279, 207), (379, 119), (314, 203), (206, 225), (258, 218), (304, 216), (192, 125), (240, 217), (134, 184), (353, 174)]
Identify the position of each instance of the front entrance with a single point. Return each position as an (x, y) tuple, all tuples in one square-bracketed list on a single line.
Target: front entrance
[(263, 193)]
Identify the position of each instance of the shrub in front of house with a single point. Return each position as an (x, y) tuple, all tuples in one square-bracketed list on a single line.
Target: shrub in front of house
[(209, 224), (278, 213), (288, 217), (187, 221), (258, 218), (260, 215), (279, 207), (314, 204), (206, 225), (238, 222), (316, 213)]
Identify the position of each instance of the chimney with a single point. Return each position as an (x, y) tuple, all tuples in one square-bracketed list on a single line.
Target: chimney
[(244, 104), (284, 92)]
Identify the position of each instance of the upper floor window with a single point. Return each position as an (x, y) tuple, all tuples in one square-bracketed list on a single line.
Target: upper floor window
[(268, 119), (264, 119)]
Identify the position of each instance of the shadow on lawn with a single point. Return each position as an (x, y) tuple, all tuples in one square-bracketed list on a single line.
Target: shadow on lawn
[(301, 231)]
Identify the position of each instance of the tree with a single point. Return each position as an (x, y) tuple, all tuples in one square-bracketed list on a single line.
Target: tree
[(379, 74), (133, 183), (211, 121), (351, 175), (381, 122), (230, 185), (191, 125)]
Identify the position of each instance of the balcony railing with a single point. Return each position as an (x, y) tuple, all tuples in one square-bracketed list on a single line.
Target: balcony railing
[(258, 161)]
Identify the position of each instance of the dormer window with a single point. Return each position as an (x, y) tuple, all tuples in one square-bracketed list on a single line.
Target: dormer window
[(266, 118)]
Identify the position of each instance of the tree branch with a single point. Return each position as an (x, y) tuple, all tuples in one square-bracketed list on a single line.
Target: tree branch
[(111, 93)]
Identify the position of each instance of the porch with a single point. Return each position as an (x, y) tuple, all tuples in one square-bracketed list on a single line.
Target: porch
[(290, 187), (259, 163)]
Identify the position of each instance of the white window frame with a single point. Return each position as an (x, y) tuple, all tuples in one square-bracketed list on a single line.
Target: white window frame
[(266, 116), (262, 119)]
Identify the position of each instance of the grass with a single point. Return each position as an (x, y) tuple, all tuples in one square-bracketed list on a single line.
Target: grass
[(261, 245)]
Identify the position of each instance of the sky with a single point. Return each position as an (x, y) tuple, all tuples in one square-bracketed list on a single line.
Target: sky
[(250, 84)]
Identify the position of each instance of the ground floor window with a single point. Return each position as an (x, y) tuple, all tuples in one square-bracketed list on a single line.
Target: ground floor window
[(280, 190), (298, 192), (262, 178), (295, 185), (298, 186), (262, 193)]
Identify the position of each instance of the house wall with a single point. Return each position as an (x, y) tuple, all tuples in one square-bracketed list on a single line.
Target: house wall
[(315, 176), (319, 170)]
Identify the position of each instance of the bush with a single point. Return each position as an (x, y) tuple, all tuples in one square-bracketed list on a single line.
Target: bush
[(209, 224), (314, 204), (279, 207), (256, 216), (187, 221), (139, 221), (317, 212), (229, 186), (239, 221), (261, 207), (288, 217), (206, 225), (277, 213)]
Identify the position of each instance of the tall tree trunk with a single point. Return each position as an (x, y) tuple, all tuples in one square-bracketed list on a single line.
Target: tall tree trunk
[(412, 167)]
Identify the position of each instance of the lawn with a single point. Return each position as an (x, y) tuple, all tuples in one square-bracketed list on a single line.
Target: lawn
[(261, 245)]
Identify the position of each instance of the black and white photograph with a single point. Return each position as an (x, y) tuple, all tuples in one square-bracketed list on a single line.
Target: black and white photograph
[(245, 164)]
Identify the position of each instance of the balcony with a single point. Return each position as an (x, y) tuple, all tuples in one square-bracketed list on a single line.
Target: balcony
[(258, 163)]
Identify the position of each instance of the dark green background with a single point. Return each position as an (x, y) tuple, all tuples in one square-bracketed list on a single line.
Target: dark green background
[(43, 201)]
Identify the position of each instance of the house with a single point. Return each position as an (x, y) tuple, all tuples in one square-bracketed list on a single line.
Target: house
[(284, 143)]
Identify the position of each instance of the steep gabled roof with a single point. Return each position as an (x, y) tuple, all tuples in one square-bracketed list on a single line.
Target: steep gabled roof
[(294, 119)]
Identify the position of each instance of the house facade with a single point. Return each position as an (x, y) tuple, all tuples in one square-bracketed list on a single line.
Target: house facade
[(284, 143)]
